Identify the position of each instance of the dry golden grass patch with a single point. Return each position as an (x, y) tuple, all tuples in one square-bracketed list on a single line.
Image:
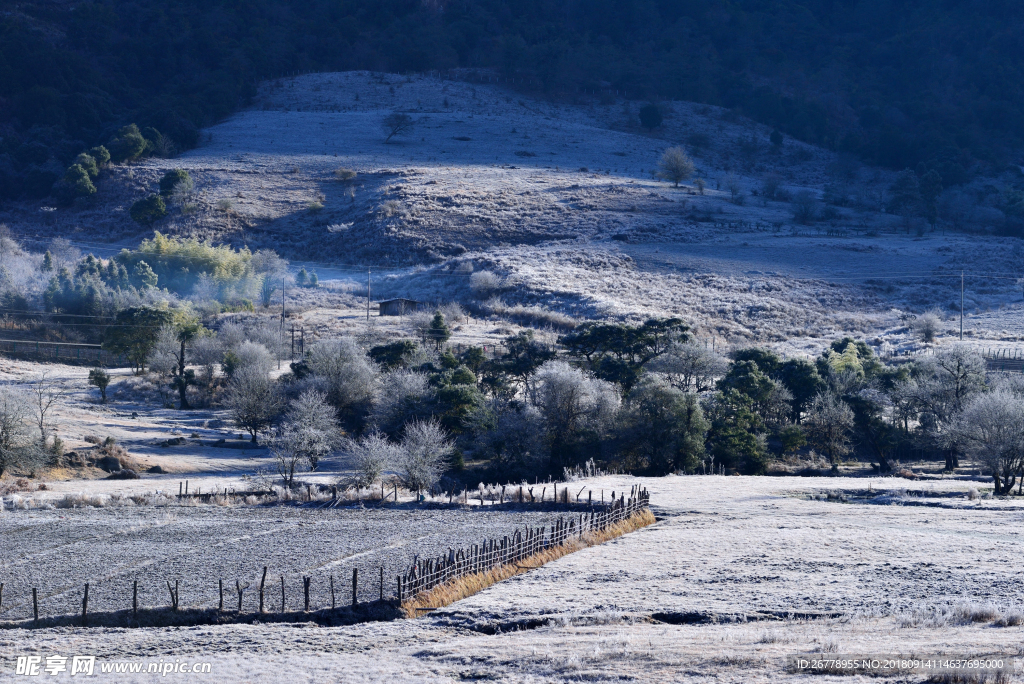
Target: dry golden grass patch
[(467, 585)]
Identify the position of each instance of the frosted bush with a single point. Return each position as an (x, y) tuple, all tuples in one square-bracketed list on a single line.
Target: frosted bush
[(484, 282)]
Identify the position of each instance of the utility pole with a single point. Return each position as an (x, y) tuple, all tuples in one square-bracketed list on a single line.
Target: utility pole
[(961, 306), (367, 294), (284, 291)]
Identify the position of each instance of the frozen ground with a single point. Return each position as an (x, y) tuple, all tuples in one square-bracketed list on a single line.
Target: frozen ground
[(666, 603), (496, 178)]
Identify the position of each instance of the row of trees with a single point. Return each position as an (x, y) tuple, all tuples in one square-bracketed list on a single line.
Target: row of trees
[(645, 398)]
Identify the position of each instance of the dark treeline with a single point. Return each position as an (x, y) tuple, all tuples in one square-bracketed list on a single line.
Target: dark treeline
[(899, 83)]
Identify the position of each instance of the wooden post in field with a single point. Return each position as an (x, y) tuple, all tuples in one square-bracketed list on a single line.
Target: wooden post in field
[(135, 599), (282, 593), (263, 581), (1, 594), (382, 583), (220, 583), (399, 590), (85, 604), (355, 587), (332, 593), (35, 605), (305, 590)]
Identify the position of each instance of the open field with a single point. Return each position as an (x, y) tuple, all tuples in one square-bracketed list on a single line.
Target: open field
[(738, 573)]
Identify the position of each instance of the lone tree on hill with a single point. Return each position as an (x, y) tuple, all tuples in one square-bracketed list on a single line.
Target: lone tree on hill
[(396, 123), (675, 165)]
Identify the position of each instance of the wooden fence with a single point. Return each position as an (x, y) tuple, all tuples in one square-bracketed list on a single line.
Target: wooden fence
[(424, 575)]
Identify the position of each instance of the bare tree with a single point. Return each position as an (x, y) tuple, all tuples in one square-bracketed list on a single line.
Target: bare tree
[(424, 454), (991, 428), (396, 123), (253, 399), (371, 455), (690, 366), (828, 424), (46, 395), (15, 411), (675, 165), (64, 254)]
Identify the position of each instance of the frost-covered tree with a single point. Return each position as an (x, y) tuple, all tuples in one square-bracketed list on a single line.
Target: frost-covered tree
[(577, 409), (927, 325), (344, 372), (827, 425), (402, 396), (248, 355), (371, 455), (311, 427), (424, 454), (675, 165), (946, 382), (253, 399), (15, 412), (991, 429), (690, 366)]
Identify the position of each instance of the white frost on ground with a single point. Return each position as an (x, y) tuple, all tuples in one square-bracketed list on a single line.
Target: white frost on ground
[(725, 547)]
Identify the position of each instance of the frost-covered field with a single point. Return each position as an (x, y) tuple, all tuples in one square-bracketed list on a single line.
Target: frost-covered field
[(58, 551), (904, 570)]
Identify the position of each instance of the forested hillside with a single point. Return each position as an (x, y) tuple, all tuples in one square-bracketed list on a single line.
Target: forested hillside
[(900, 83)]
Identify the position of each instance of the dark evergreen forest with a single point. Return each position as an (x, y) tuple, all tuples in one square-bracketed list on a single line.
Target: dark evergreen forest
[(901, 83)]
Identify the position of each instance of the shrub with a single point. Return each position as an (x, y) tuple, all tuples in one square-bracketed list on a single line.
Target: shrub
[(171, 179), (100, 154), (805, 207), (651, 116), (127, 145), (87, 162), (484, 282), (76, 183), (927, 325), (344, 174), (148, 210)]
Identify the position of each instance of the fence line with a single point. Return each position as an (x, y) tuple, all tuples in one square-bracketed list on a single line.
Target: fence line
[(422, 575)]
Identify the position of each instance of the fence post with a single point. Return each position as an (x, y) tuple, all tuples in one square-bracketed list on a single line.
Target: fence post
[(263, 581), (35, 605), (85, 605), (355, 586)]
